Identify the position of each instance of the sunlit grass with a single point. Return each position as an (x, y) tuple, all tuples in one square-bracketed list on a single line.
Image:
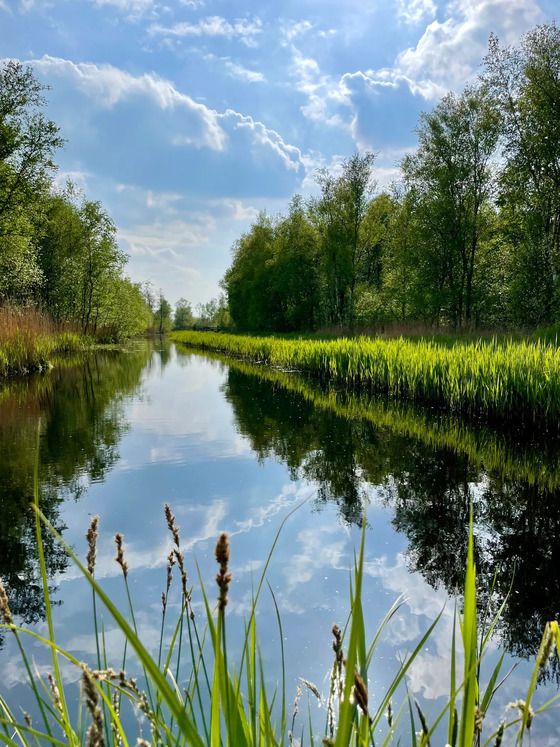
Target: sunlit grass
[(504, 380)]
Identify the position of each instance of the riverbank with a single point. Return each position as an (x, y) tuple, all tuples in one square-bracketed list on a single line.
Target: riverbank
[(506, 380), (29, 340)]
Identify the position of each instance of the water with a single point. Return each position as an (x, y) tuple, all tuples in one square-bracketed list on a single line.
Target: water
[(235, 447)]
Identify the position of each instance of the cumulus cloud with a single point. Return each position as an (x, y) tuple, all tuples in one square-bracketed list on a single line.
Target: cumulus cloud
[(290, 155), (449, 51), (109, 85), (415, 11), (204, 126)]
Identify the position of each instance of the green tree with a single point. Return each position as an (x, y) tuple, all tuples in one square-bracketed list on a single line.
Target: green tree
[(28, 142), (339, 215), (183, 317), (295, 273), (162, 315), (248, 281), (524, 83), (451, 181)]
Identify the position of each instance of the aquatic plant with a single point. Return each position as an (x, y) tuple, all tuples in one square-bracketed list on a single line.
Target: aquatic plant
[(28, 340), (504, 380), (499, 450), (204, 698)]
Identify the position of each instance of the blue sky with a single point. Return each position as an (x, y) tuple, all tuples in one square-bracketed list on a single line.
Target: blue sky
[(187, 117)]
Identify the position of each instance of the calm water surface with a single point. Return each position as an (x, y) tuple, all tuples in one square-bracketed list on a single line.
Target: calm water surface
[(236, 448)]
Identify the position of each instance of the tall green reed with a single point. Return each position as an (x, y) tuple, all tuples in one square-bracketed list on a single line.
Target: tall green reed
[(505, 380)]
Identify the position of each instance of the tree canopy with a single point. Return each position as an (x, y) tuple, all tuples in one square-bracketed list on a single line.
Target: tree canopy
[(469, 237)]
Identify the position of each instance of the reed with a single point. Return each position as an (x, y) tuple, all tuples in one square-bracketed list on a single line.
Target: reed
[(29, 339), (211, 700), (499, 450), (502, 380)]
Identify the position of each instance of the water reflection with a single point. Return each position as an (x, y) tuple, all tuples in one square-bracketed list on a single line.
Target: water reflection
[(346, 445), (73, 418), (425, 467)]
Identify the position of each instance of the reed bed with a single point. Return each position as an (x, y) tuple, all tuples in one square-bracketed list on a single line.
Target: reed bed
[(502, 380), (29, 339), (193, 693), (497, 450)]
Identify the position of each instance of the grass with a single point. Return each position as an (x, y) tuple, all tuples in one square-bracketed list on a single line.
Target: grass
[(194, 693), (501, 380), (29, 340)]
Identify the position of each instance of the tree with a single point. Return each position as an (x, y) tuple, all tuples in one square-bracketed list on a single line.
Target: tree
[(248, 281), (295, 272), (451, 182), (162, 315), (339, 216), (28, 142), (524, 84), (183, 318), (213, 314)]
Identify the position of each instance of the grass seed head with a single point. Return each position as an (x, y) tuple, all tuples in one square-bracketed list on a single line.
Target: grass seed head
[(91, 536), (223, 577), (5, 612), (91, 696), (361, 693), (172, 524), (120, 554)]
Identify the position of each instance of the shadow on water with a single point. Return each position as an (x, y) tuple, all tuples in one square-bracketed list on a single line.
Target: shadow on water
[(426, 468), (77, 413)]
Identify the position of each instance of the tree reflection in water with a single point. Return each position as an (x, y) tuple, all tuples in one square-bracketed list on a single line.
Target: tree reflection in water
[(75, 413), (429, 489)]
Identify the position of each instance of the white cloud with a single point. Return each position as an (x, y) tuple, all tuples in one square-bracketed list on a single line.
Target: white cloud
[(415, 11), (290, 155), (292, 29), (213, 26), (77, 177), (132, 8), (243, 73), (169, 238), (109, 85), (449, 52), (316, 553), (239, 210), (325, 94)]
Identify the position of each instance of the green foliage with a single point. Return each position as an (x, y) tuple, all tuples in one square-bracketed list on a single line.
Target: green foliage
[(57, 250), (162, 319), (213, 314), (504, 380), (183, 317), (469, 239)]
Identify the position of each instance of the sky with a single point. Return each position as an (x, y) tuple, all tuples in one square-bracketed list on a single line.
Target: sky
[(188, 117)]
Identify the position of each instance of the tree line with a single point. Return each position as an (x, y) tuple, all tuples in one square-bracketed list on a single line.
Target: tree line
[(469, 237), (58, 250)]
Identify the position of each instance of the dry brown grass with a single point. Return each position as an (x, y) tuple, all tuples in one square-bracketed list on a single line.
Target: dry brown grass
[(28, 337)]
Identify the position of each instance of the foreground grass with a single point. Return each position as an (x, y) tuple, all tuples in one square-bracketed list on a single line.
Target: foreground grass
[(505, 381), (193, 693), (29, 340)]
